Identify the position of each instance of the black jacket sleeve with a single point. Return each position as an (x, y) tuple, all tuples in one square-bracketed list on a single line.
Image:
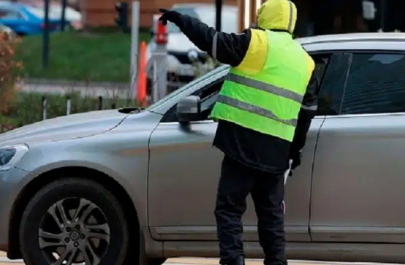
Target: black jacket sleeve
[(226, 48), (306, 114)]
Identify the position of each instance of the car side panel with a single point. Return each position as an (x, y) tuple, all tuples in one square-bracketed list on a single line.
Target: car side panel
[(358, 184), (121, 153), (183, 177), (298, 189)]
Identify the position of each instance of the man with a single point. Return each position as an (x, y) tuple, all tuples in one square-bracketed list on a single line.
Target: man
[(257, 111)]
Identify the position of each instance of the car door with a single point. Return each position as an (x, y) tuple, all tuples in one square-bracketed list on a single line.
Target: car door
[(184, 172), (358, 183)]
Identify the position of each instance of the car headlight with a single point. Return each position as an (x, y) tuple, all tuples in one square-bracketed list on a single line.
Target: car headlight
[(10, 155)]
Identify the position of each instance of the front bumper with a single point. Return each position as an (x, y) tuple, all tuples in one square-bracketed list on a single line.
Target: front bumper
[(10, 186)]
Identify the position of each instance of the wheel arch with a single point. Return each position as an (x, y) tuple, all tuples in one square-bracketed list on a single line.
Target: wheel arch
[(47, 177)]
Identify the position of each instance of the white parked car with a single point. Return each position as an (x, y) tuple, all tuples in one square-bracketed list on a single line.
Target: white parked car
[(71, 15), (181, 69)]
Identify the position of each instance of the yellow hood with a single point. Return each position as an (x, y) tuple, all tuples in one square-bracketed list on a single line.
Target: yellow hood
[(277, 15)]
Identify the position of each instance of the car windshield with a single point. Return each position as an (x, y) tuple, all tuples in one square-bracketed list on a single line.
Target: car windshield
[(186, 87), (207, 15)]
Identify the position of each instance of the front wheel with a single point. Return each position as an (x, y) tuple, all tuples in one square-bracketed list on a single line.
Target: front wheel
[(74, 221)]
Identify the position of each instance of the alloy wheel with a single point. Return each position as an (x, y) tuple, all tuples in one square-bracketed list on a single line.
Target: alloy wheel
[(74, 231)]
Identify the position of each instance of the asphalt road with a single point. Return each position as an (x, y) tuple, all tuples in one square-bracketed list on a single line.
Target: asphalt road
[(203, 261), (183, 261)]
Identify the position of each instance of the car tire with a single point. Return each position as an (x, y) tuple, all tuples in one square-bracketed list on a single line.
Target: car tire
[(97, 233)]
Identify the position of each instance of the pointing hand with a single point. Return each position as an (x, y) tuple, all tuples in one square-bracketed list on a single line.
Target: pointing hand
[(168, 15)]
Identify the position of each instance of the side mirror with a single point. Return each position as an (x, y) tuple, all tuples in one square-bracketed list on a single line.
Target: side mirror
[(189, 109)]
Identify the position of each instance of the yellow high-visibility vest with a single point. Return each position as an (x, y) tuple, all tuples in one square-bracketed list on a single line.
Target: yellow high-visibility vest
[(266, 98)]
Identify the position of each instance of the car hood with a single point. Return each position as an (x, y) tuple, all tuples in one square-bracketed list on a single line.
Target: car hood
[(65, 127)]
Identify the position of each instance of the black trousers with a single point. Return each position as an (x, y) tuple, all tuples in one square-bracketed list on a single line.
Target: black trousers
[(267, 190)]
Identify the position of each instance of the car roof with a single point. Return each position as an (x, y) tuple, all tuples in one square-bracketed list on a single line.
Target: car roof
[(374, 36)]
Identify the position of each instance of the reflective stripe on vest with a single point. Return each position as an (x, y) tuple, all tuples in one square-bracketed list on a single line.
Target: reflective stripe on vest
[(253, 109), (290, 20), (265, 87)]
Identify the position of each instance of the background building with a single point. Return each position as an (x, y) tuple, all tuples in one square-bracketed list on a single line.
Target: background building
[(102, 12), (319, 17), (315, 17)]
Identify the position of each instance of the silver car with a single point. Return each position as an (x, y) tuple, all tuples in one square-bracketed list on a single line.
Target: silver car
[(139, 185)]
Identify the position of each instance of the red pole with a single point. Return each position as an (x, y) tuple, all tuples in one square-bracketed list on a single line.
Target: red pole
[(141, 95)]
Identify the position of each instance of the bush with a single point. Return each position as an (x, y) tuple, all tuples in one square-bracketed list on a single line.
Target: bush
[(9, 71), (26, 108)]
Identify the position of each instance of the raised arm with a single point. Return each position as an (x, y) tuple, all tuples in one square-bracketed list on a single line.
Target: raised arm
[(226, 48)]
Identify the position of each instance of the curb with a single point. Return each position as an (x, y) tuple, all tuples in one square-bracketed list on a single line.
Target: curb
[(6, 260)]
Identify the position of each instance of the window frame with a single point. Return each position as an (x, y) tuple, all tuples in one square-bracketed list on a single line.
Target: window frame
[(167, 116), (330, 72), (326, 68)]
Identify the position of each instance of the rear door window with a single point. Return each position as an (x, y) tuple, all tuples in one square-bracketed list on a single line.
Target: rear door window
[(376, 84)]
